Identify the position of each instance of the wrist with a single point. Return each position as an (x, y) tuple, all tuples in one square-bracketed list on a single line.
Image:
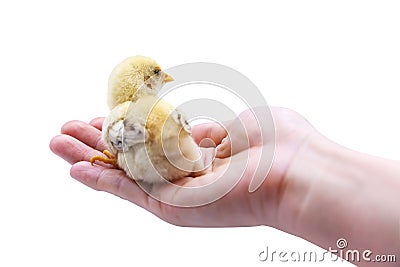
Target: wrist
[(309, 186), (334, 192), (319, 190)]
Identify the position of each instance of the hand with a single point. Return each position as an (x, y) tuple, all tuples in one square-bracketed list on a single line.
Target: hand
[(80, 141), (315, 188)]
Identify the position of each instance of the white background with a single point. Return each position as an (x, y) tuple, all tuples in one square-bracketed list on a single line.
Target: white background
[(335, 62)]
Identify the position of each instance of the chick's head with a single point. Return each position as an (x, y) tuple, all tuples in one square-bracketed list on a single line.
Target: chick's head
[(132, 75)]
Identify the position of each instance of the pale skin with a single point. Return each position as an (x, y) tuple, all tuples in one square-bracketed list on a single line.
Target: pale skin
[(316, 189)]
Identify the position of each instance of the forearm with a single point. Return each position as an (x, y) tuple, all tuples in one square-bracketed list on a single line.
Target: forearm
[(340, 193)]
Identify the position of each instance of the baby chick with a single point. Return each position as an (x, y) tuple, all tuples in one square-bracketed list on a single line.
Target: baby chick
[(148, 138), (128, 76)]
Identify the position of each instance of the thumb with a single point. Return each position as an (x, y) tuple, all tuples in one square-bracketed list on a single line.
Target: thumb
[(214, 131)]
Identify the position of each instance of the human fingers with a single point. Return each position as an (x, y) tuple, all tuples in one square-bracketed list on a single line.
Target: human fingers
[(214, 131), (97, 123), (86, 133), (113, 181), (253, 127), (71, 149)]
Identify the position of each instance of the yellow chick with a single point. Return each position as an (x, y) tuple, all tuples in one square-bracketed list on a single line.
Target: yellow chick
[(148, 138), (129, 75)]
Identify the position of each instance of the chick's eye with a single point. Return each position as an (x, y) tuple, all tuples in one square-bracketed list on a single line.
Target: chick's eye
[(156, 71)]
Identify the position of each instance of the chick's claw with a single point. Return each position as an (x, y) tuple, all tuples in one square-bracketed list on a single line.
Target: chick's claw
[(110, 159)]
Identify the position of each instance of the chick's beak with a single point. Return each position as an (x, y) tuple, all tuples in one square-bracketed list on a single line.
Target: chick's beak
[(167, 78)]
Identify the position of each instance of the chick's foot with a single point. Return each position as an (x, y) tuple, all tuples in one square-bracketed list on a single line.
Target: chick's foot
[(109, 159)]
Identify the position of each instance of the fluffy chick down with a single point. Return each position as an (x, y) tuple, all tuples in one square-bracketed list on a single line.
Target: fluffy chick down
[(152, 140)]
